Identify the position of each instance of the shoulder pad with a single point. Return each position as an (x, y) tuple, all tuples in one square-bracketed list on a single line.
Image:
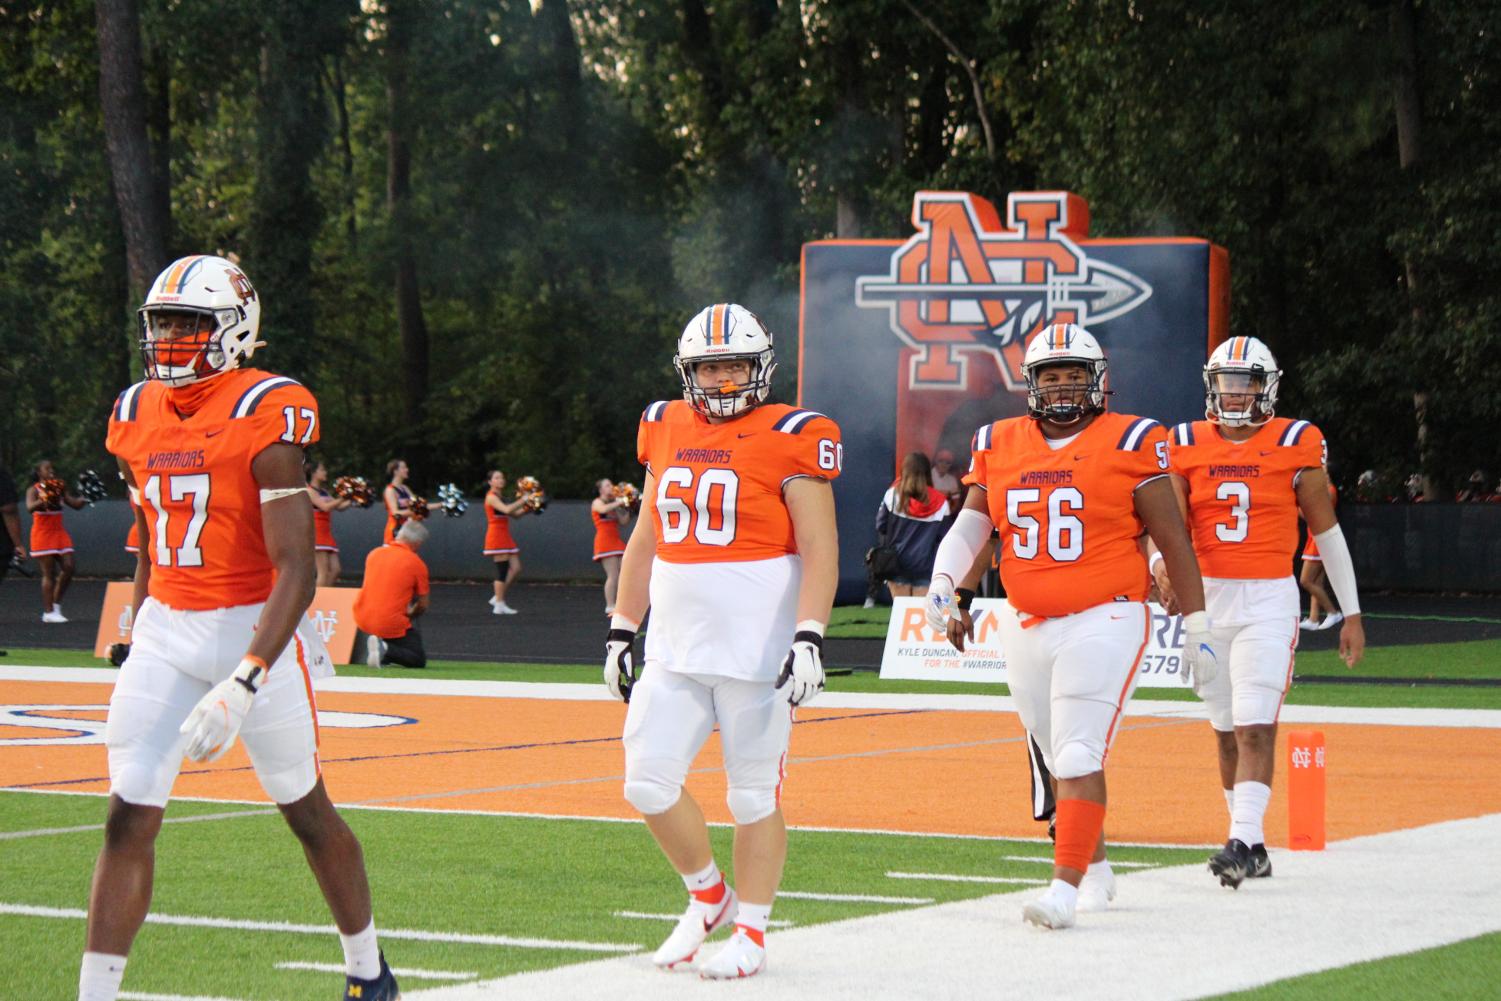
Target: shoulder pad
[(981, 440), (1293, 433), (1135, 432), (655, 412), (795, 420), (129, 402), (258, 391)]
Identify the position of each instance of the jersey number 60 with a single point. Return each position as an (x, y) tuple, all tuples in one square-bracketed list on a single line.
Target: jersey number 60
[(713, 511)]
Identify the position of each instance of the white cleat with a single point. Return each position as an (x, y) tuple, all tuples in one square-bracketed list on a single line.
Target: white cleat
[(740, 957), (1308, 625), (1331, 620), (1097, 889), (698, 922), (1050, 910), (504, 609), (375, 649), (53, 616)]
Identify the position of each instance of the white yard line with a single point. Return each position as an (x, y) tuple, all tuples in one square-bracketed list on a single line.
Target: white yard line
[(142, 996), (950, 877), (850, 898), (1114, 864), (84, 828), (898, 701), (643, 916), (464, 938), (400, 971), (1360, 900)]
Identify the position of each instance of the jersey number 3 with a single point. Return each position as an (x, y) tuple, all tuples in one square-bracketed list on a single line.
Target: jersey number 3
[(711, 518)]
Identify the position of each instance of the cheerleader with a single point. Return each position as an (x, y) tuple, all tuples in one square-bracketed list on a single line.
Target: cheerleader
[(398, 498), (325, 549), (50, 543), (610, 513), (499, 545)]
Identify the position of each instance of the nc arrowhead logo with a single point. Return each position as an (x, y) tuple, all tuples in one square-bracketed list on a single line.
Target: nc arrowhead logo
[(964, 283)]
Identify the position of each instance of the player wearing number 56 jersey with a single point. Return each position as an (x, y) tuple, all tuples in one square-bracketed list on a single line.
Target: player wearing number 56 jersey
[(1242, 476), (1071, 489), (221, 648), (737, 555)]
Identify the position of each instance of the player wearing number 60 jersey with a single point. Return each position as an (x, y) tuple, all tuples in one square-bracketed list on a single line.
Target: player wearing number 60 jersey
[(1071, 489), (1242, 476), (221, 648), (737, 555)]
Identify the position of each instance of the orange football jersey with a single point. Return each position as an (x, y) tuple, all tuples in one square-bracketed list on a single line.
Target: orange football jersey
[(1242, 506), (1067, 517), (202, 503), (719, 486)]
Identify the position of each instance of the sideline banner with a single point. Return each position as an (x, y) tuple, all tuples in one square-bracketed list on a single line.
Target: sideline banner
[(913, 651), (331, 613)]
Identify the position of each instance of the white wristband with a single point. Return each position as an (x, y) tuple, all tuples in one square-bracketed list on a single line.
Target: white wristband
[(277, 493), (618, 621), (811, 626), (1155, 559)]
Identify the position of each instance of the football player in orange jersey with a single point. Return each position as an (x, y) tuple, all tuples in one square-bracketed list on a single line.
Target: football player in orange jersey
[(1242, 476), (1071, 488), (221, 646), (737, 556)]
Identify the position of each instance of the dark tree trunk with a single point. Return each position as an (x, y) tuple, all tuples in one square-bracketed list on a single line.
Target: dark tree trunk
[(122, 102), (409, 318)]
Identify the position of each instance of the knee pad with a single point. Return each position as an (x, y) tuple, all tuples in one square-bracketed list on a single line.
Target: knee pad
[(1077, 759), (653, 786), (141, 783), (750, 805)]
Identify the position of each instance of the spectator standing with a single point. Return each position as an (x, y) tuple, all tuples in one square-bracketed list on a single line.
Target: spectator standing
[(945, 481), (912, 517), (395, 592), (50, 542)]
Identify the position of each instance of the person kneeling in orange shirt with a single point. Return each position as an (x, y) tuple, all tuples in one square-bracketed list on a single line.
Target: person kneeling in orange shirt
[(394, 593)]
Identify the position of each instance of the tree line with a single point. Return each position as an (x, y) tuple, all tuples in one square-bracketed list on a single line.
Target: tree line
[(477, 227)]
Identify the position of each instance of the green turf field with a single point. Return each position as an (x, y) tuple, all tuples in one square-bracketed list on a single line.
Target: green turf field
[(1465, 971), (561, 880)]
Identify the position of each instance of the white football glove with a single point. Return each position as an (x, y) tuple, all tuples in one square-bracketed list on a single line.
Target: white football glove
[(215, 721), (1201, 662), (620, 663), (940, 603), (803, 667)]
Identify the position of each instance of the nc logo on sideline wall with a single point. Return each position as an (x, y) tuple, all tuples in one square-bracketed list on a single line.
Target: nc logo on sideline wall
[(966, 283)]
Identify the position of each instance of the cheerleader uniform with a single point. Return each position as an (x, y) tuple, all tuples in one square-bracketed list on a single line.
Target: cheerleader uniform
[(498, 541), (607, 540)]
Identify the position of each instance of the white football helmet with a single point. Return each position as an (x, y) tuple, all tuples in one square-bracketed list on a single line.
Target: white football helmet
[(1242, 366), (1064, 343), (200, 319), (725, 332)]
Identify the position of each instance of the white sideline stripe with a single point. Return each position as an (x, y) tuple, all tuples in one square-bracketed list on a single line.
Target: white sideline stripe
[(1429, 893), (1048, 860), (401, 971), (643, 916), (141, 996), (950, 877), (851, 898), (84, 828), (1487, 719), (464, 938)]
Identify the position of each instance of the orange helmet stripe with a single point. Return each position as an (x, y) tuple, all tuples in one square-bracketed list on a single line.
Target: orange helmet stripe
[(180, 274), (716, 326)]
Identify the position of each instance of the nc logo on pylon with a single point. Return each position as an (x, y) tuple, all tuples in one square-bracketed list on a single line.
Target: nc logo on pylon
[(965, 283)]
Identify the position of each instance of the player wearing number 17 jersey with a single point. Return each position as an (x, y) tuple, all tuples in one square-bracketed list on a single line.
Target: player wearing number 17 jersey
[(1242, 476), (1071, 488), (221, 648), (737, 555)]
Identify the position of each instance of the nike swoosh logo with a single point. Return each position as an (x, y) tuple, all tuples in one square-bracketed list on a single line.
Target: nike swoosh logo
[(1077, 458), (744, 434), (1266, 451), (1116, 618), (210, 434)]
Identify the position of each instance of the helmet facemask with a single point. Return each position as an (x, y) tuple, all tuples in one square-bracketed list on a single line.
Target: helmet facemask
[(184, 344), (728, 399), (1066, 403), (1252, 389)]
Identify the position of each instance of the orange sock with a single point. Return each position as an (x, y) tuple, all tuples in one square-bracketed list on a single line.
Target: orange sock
[(756, 935), (1080, 822), (710, 895)]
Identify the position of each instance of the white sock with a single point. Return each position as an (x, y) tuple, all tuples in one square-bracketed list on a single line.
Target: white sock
[(99, 976), (705, 879), (361, 953), (1098, 869), (754, 916), (1251, 799), (1067, 892), (1230, 802)]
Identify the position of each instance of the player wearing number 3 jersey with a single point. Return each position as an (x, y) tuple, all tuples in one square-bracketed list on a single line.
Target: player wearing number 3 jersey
[(1071, 488), (221, 647), (1242, 476), (737, 555)]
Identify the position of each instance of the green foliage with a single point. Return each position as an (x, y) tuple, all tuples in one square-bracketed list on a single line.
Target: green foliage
[(585, 175)]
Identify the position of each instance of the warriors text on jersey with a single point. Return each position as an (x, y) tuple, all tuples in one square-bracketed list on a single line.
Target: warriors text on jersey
[(1243, 506), (719, 486), (1067, 516), (201, 500)]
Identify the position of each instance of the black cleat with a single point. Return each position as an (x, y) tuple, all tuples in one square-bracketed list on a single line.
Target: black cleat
[(382, 988), (1261, 866), (1232, 863)]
